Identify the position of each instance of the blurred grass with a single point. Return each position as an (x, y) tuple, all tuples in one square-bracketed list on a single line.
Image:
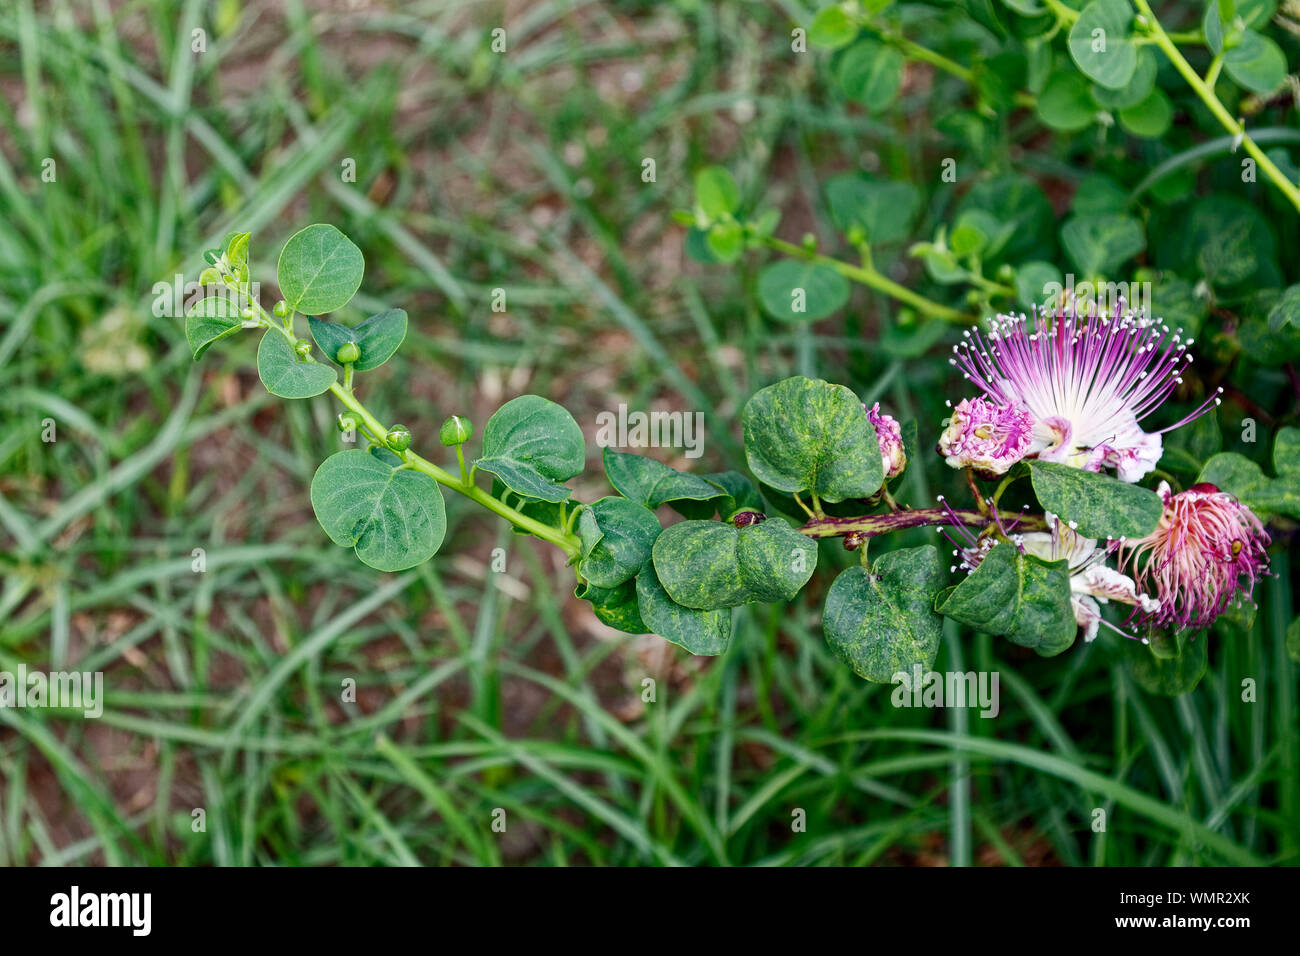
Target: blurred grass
[(477, 171)]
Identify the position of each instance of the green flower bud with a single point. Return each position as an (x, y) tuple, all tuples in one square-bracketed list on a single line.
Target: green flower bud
[(346, 423), (248, 314), (456, 431), (303, 348), (281, 309), (348, 353), (398, 438)]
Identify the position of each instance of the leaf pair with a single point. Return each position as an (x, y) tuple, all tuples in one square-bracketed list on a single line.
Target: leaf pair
[(711, 564)]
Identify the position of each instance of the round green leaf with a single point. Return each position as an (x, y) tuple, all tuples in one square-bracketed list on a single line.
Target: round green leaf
[(1066, 104), (1151, 118), (1100, 44), (696, 563), (1098, 245), (870, 73), (775, 560), (884, 211), (1033, 280), (285, 374), (883, 621), (1016, 595), (1257, 63), (319, 270), (210, 320), (716, 192), (617, 536), (616, 607), (700, 632), (1140, 84), (394, 518), (809, 435), (832, 28), (1100, 506), (532, 444), (795, 291)]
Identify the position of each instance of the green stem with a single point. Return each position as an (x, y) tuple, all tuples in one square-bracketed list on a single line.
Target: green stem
[(565, 540), (868, 276), (1064, 14), (1212, 102), (560, 537), (914, 51)]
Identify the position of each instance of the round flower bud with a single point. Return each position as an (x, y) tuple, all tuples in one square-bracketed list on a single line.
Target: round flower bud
[(281, 309), (398, 438), (248, 314), (743, 519), (303, 348), (890, 436), (986, 437), (456, 431), (348, 353)]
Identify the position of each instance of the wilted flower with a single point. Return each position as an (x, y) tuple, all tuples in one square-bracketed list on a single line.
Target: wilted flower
[(890, 437), (1091, 581), (1087, 380), (1207, 548), (986, 437)]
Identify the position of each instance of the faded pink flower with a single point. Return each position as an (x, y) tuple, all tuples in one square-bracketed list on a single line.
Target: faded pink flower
[(890, 437), (1086, 379), (985, 436), (1207, 549)]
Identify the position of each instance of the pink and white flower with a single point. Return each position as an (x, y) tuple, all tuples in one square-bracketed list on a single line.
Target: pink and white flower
[(1087, 380), (986, 437), (1207, 550), (890, 437)]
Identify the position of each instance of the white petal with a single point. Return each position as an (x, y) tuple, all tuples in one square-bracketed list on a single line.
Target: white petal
[(1109, 585), (1087, 615)]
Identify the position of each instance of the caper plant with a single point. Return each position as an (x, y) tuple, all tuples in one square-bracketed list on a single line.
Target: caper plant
[(1062, 406)]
